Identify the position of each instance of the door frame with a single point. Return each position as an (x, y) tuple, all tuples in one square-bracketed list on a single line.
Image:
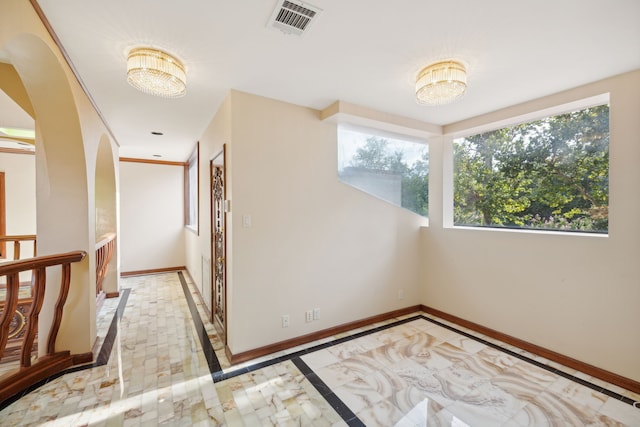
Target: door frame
[(212, 164)]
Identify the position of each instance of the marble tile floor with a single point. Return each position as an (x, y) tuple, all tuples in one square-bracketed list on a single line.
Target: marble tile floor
[(157, 374), (158, 368), (420, 373)]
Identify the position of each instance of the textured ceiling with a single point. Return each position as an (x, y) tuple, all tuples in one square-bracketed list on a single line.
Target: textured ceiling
[(365, 52)]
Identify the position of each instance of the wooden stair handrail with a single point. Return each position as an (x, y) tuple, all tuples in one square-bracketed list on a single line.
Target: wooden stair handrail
[(41, 261), (104, 253), (17, 240), (11, 302), (20, 237), (105, 238), (40, 279), (52, 362)]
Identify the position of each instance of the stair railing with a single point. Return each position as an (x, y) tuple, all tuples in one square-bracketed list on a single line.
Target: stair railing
[(17, 244), (12, 247), (51, 362), (104, 253)]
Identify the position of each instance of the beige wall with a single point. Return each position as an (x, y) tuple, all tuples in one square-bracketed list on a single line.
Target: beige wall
[(20, 192), (106, 211), (152, 216), (20, 200), (105, 191), (198, 245), (578, 295), (314, 242)]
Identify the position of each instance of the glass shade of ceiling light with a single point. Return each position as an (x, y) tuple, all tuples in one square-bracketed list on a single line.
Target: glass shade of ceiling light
[(156, 73), (441, 83)]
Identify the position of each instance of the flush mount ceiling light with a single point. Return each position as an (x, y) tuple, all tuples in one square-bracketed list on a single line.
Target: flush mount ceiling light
[(441, 83), (156, 73)]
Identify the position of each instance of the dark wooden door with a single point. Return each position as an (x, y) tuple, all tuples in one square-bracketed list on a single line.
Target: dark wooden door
[(219, 291)]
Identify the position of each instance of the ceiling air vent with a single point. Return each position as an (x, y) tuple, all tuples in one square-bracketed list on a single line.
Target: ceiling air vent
[(293, 17)]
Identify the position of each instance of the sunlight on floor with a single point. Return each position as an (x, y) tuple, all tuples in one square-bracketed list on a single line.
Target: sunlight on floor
[(119, 408)]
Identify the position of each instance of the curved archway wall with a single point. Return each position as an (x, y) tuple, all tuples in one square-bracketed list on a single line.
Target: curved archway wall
[(106, 206), (69, 132)]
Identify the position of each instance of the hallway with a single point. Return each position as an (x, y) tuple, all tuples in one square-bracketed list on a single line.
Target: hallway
[(153, 369)]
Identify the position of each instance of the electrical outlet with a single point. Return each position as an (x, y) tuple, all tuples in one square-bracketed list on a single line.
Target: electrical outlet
[(285, 320), (309, 315), (316, 313), (400, 294)]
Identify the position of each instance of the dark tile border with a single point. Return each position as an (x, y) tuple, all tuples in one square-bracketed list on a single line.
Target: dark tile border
[(102, 359), (215, 368), (551, 369), (110, 338), (338, 405), (205, 343), (219, 375)]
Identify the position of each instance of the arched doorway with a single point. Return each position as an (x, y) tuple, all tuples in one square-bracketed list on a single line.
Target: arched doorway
[(106, 221), (61, 184)]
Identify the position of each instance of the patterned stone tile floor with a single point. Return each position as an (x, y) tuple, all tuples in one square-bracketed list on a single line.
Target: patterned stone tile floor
[(407, 371)]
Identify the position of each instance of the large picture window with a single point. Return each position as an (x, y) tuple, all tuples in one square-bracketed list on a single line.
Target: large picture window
[(551, 173), (391, 168), (191, 192)]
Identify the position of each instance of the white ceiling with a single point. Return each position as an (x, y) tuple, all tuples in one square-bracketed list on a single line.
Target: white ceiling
[(365, 52)]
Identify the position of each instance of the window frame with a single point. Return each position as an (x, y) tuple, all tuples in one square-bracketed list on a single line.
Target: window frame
[(376, 132), (449, 163), (192, 204)]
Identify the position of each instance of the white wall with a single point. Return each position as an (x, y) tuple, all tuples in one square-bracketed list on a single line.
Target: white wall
[(574, 294), (151, 216), (20, 197)]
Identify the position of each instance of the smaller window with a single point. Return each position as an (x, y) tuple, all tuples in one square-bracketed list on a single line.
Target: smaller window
[(393, 169), (191, 192)]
